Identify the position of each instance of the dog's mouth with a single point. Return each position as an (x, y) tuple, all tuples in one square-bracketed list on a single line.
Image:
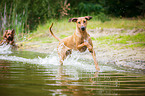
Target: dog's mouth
[(9, 37)]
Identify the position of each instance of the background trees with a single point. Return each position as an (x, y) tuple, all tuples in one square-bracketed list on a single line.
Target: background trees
[(25, 15)]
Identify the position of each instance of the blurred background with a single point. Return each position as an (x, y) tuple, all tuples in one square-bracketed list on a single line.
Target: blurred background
[(25, 15)]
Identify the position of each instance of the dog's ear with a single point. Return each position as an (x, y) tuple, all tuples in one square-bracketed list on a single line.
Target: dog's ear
[(4, 36), (6, 31), (13, 31), (73, 20), (88, 17)]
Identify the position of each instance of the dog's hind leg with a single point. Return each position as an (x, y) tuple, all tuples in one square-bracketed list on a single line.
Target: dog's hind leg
[(63, 52)]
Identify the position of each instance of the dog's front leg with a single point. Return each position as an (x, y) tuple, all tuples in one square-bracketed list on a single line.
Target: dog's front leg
[(80, 46), (11, 42), (90, 48), (95, 61)]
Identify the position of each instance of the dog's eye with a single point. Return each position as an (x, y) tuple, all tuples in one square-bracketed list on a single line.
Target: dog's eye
[(79, 22), (84, 21)]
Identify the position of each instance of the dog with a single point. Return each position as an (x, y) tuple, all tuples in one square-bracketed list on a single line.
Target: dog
[(8, 38), (80, 40)]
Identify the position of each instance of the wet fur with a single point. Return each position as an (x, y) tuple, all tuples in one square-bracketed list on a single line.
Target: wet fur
[(80, 40), (8, 38)]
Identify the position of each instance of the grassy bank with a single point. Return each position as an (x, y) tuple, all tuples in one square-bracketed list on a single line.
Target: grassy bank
[(63, 28), (63, 24), (121, 41)]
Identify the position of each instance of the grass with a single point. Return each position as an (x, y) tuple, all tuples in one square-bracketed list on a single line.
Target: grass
[(135, 45), (63, 28), (137, 40), (121, 23)]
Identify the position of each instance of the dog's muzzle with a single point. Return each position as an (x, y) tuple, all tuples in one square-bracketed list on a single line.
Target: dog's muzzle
[(9, 37), (83, 28)]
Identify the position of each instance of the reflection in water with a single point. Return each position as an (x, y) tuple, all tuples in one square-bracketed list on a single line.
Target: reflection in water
[(73, 87), (4, 69), (104, 83), (27, 73)]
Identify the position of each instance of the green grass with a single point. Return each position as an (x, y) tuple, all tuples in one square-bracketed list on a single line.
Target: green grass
[(62, 36), (62, 28), (112, 39), (140, 37), (137, 40), (118, 23), (135, 45)]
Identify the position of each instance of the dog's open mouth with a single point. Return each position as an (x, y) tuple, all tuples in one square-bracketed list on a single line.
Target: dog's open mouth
[(9, 38)]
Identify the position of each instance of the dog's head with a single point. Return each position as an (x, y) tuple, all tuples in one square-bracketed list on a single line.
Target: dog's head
[(9, 34), (81, 22)]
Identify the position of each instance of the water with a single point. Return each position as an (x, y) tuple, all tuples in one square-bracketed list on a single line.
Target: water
[(24, 73)]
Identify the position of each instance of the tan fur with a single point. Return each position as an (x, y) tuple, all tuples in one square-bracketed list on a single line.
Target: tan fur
[(80, 40)]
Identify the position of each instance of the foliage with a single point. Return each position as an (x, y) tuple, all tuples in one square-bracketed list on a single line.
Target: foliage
[(10, 19), (26, 15), (125, 8), (89, 8), (102, 17)]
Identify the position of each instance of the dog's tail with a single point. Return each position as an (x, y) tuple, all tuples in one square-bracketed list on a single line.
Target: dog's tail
[(52, 33)]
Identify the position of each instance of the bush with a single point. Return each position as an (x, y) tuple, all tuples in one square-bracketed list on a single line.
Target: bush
[(102, 17)]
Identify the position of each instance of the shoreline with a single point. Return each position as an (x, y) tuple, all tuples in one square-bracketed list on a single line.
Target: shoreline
[(124, 57)]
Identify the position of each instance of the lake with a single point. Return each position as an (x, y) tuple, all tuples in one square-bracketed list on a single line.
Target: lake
[(26, 73)]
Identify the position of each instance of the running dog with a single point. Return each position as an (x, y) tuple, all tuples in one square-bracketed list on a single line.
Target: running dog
[(80, 40)]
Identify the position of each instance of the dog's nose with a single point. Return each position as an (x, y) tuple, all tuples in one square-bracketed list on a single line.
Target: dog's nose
[(9, 37), (82, 28)]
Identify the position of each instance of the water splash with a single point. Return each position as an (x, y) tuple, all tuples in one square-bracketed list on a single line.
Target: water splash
[(5, 49), (77, 60)]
